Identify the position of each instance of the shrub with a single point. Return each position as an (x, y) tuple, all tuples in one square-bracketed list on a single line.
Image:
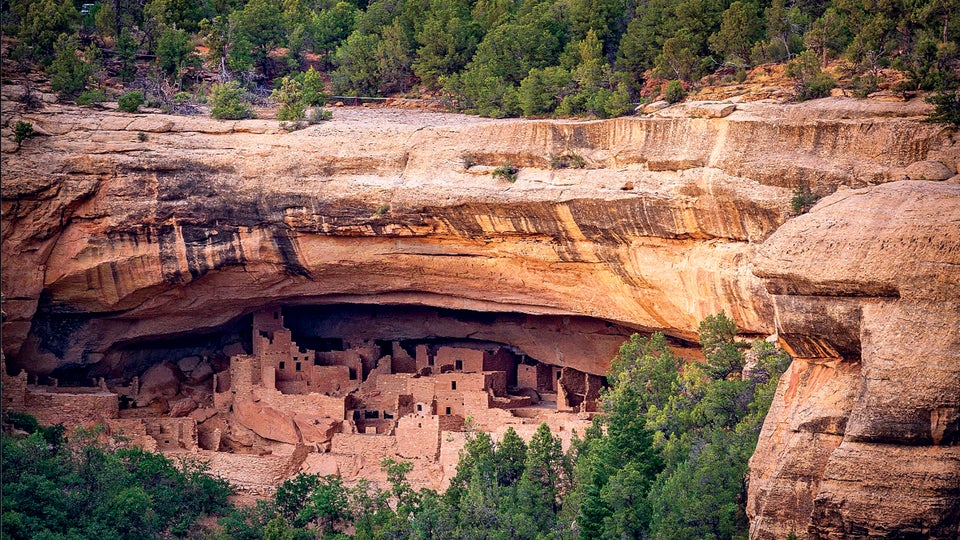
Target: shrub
[(673, 91), (22, 131), (228, 102), (89, 97), (19, 420), (292, 112), (468, 159), (565, 161), (865, 85), (317, 115), (810, 81), (617, 102), (289, 97), (556, 162), (507, 171), (538, 92), (577, 161), (313, 93), (946, 108), (68, 72), (803, 199), (816, 87), (131, 101)]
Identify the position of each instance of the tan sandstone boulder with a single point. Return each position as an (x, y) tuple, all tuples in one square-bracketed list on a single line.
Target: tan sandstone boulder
[(266, 421), (159, 381)]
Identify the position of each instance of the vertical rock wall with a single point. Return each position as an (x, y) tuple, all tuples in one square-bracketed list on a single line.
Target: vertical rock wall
[(863, 439)]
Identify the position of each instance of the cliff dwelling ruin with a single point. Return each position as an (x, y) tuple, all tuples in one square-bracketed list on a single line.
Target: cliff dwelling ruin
[(335, 389)]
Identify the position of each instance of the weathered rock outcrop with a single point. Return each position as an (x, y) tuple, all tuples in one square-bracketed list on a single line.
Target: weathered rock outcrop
[(121, 228), (864, 436)]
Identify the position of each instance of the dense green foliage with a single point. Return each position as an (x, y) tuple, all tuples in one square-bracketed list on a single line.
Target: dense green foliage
[(54, 488), (508, 171), (22, 131), (946, 108), (803, 199), (229, 102), (68, 72), (676, 469), (91, 96), (131, 101), (497, 57), (666, 460), (673, 92)]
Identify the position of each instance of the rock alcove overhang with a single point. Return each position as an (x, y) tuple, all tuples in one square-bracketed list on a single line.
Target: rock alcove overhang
[(584, 343)]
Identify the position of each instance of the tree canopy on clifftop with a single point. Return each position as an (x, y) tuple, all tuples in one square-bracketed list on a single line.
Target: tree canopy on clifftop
[(492, 57)]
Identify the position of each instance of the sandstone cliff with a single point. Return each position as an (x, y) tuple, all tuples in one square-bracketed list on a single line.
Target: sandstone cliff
[(111, 236), (863, 439), (122, 229)]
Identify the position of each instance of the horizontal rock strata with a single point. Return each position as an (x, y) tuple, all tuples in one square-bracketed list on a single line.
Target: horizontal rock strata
[(119, 228)]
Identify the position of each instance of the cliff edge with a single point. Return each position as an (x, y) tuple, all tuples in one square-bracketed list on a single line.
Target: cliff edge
[(863, 439)]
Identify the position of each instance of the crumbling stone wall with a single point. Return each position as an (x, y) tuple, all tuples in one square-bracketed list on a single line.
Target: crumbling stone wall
[(156, 434), (317, 404), (423, 358), (422, 389), (402, 362), (332, 380), (539, 377), (350, 358), (376, 446), (419, 437), (54, 407), (577, 391), (462, 359), (502, 360), (14, 388)]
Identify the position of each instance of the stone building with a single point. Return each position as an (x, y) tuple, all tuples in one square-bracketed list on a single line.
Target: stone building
[(349, 403)]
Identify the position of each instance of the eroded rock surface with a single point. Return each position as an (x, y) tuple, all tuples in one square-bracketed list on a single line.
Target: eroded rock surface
[(864, 436), (123, 228), (120, 230)]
